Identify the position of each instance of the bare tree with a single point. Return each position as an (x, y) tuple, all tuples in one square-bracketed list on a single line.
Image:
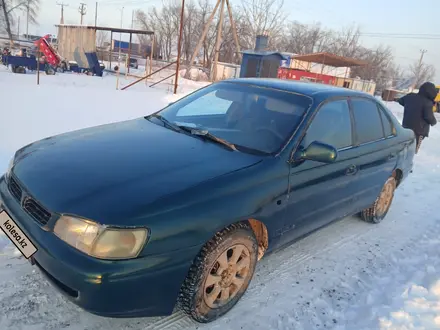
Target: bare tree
[(160, 21), (9, 9), (203, 13), (421, 72), (256, 17), (345, 42), (396, 75), (304, 39), (263, 16), (380, 65)]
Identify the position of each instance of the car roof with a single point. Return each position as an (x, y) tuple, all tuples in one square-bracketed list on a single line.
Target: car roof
[(305, 88)]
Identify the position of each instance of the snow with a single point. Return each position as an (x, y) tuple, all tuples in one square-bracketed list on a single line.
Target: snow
[(349, 275)]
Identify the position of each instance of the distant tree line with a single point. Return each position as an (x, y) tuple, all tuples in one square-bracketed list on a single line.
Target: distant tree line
[(254, 17)]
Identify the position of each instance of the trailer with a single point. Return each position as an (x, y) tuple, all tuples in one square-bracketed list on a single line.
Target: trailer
[(19, 64), (50, 60)]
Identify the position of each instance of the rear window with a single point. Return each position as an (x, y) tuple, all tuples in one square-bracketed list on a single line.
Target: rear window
[(368, 123), (388, 127)]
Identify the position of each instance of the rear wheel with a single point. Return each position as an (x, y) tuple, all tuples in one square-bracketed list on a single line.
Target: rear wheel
[(377, 212), (220, 274)]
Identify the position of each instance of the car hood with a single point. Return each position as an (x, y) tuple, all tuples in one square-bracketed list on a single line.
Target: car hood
[(105, 173)]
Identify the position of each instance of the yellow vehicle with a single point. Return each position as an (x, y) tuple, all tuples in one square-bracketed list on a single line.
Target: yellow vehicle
[(436, 107)]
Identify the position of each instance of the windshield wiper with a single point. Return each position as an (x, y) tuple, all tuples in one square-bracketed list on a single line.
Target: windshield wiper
[(166, 122), (205, 133)]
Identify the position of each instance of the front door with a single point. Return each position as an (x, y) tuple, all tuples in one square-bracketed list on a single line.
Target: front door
[(320, 193), (374, 140)]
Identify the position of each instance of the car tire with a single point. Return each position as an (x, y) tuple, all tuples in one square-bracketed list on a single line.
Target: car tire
[(377, 212), (220, 274)]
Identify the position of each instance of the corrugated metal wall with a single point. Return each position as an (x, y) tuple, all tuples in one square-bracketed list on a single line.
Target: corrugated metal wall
[(74, 41)]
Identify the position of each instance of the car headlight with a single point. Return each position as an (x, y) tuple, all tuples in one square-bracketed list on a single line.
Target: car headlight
[(101, 241)]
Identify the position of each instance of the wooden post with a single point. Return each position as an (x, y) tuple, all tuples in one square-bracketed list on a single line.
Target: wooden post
[(152, 53), (217, 43), (146, 76), (111, 46), (234, 29), (127, 64), (38, 64), (147, 65), (204, 33), (179, 46), (117, 76), (129, 54)]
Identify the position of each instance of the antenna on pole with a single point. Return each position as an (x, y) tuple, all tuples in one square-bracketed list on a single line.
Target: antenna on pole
[(82, 10)]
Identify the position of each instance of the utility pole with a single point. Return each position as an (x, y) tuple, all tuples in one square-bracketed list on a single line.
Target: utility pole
[(82, 10), (27, 18), (419, 68), (62, 5), (205, 32), (179, 47), (422, 53), (119, 52), (96, 13), (217, 43)]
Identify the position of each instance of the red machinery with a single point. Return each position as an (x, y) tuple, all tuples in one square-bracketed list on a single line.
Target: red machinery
[(50, 53), (295, 74)]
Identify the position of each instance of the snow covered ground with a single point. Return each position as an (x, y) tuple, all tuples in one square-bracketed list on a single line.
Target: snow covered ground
[(349, 275)]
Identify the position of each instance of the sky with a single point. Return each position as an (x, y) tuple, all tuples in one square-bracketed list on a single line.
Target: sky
[(373, 16)]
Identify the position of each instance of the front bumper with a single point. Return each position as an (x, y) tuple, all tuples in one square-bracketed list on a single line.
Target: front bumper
[(146, 286)]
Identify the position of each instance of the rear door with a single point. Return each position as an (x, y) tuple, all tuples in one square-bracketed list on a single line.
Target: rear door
[(376, 149)]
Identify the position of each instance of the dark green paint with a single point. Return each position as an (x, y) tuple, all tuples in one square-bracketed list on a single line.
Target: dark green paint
[(184, 189)]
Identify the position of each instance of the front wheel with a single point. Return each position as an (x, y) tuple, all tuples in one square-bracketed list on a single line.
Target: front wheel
[(377, 212), (220, 274)]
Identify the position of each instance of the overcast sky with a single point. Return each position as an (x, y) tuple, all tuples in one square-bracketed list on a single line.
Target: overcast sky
[(378, 16)]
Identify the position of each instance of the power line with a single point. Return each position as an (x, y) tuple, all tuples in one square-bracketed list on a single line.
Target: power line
[(384, 35), (125, 3)]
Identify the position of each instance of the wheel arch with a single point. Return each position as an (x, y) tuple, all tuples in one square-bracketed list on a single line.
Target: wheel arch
[(398, 175), (261, 234)]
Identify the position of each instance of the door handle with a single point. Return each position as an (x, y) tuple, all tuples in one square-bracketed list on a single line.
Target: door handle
[(351, 170), (392, 156)]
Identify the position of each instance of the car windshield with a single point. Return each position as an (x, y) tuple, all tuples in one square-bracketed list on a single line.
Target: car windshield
[(254, 119)]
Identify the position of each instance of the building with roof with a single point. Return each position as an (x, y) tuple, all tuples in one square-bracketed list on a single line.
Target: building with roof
[(326, 68), (260, 62)]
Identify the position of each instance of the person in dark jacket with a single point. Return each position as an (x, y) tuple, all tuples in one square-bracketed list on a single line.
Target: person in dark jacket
[(417, 113)]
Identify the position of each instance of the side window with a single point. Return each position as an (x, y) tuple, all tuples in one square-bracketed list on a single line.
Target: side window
[(206, 105), (331, 125), (367, 121), (386, 122)]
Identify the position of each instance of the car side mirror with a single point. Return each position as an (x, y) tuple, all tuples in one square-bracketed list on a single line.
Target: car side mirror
[(318, 152)]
